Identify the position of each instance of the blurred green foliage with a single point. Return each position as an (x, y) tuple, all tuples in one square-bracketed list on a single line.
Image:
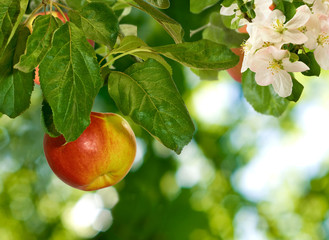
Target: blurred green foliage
[(152, 203)]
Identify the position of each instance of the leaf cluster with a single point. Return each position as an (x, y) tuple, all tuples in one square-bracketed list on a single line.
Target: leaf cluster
[(71, 74)]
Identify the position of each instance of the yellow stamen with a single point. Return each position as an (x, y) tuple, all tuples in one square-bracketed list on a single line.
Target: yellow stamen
[(275, 66), (323, 39), (279, 26)]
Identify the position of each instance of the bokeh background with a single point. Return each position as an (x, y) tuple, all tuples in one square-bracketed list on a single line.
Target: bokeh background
[(244, 176)]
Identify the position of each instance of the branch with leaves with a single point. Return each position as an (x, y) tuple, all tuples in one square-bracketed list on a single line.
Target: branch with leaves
[(71, 76)]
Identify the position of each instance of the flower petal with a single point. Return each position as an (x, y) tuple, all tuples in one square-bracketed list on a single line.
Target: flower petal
[(282, 83), (319, 7), (313, 25), (321, 54), (260, 61), (270, 35), (301, 17), (294, 66), (274, 16), (264, 78), (311, 42), (245, 63), (294, 36), (277, 53)]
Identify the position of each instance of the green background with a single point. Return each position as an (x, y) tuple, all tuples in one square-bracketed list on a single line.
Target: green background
[(243, 176)]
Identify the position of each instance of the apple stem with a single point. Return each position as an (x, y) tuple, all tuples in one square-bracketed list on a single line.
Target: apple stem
[(33, 14), (51, 7), (60, 10)]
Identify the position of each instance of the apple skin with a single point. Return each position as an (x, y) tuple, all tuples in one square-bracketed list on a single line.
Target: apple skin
[(235, 71), (60, 16), (100, 157)]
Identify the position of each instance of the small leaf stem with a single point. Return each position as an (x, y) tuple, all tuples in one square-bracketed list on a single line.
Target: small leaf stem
[(124, 54), (63, 6), (192, 32)]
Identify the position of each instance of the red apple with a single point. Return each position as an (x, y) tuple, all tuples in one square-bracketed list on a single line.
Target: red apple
[(235, 71), (243, 29), (99, 158), (54, 13)]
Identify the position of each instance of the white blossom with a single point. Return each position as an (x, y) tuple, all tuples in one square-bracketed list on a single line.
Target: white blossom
[(254, 43), (272, 65), (321, 7), (275, 30), (262, 9), (317, 28)]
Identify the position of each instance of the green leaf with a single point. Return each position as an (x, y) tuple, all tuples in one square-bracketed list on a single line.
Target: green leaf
[(130, 43), (279, 5), (297, 90), (70, 80), (289, 10), (217, 32), (47, 120), (164, 4), (286, 7), (11, 14), (263, 99), (75, 4), (98, 21), (128, 29), (208, 75), (147, 55), (147, 93), (38, 43), (310, 61), (227, 3), (174, 29), (15, 86), (197, 6), (202, 54)]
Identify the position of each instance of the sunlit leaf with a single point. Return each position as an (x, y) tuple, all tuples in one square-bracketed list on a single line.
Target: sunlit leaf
[(147, 93), (98, 21), (39, 42), (70, 80), (202, 54)]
